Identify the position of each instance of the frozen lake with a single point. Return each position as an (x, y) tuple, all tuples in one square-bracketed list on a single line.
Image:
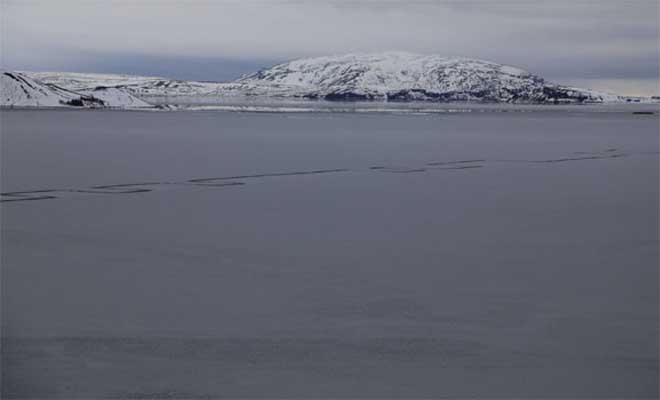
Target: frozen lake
[(218, 254)]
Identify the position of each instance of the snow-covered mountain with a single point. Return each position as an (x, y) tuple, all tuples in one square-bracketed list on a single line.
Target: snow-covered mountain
[(389, 76), (397, 76), (21, 90)]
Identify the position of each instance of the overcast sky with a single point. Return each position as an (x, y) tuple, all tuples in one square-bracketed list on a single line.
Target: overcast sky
[(607, 45)]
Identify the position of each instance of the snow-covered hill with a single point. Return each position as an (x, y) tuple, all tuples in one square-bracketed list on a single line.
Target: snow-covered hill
[(143, 86), (86, 81), (397, 76), (21, 90), (389, 76)]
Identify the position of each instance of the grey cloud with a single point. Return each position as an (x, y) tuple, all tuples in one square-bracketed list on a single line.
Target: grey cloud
[(559, 39)]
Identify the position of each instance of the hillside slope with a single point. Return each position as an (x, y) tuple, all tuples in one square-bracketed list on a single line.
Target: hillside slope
[(18, 89)]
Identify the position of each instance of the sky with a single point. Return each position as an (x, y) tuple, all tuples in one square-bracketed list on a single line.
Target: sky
[(609, 45)]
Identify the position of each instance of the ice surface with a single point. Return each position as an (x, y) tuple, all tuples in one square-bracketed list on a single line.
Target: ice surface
[(358, 258)]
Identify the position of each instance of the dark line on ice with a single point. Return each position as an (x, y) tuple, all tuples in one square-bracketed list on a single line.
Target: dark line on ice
[(120, 185), (461, 167), (454, 162), (108, 191), (579, 158), (266, 175), (144, 187)]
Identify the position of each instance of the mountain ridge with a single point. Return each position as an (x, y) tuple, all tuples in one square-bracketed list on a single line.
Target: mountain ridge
[(386, 77)]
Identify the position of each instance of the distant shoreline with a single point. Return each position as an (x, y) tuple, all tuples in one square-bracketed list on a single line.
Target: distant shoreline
[(408, 108)]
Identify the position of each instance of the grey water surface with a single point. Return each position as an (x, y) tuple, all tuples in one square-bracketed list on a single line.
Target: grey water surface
[(329, 255)]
